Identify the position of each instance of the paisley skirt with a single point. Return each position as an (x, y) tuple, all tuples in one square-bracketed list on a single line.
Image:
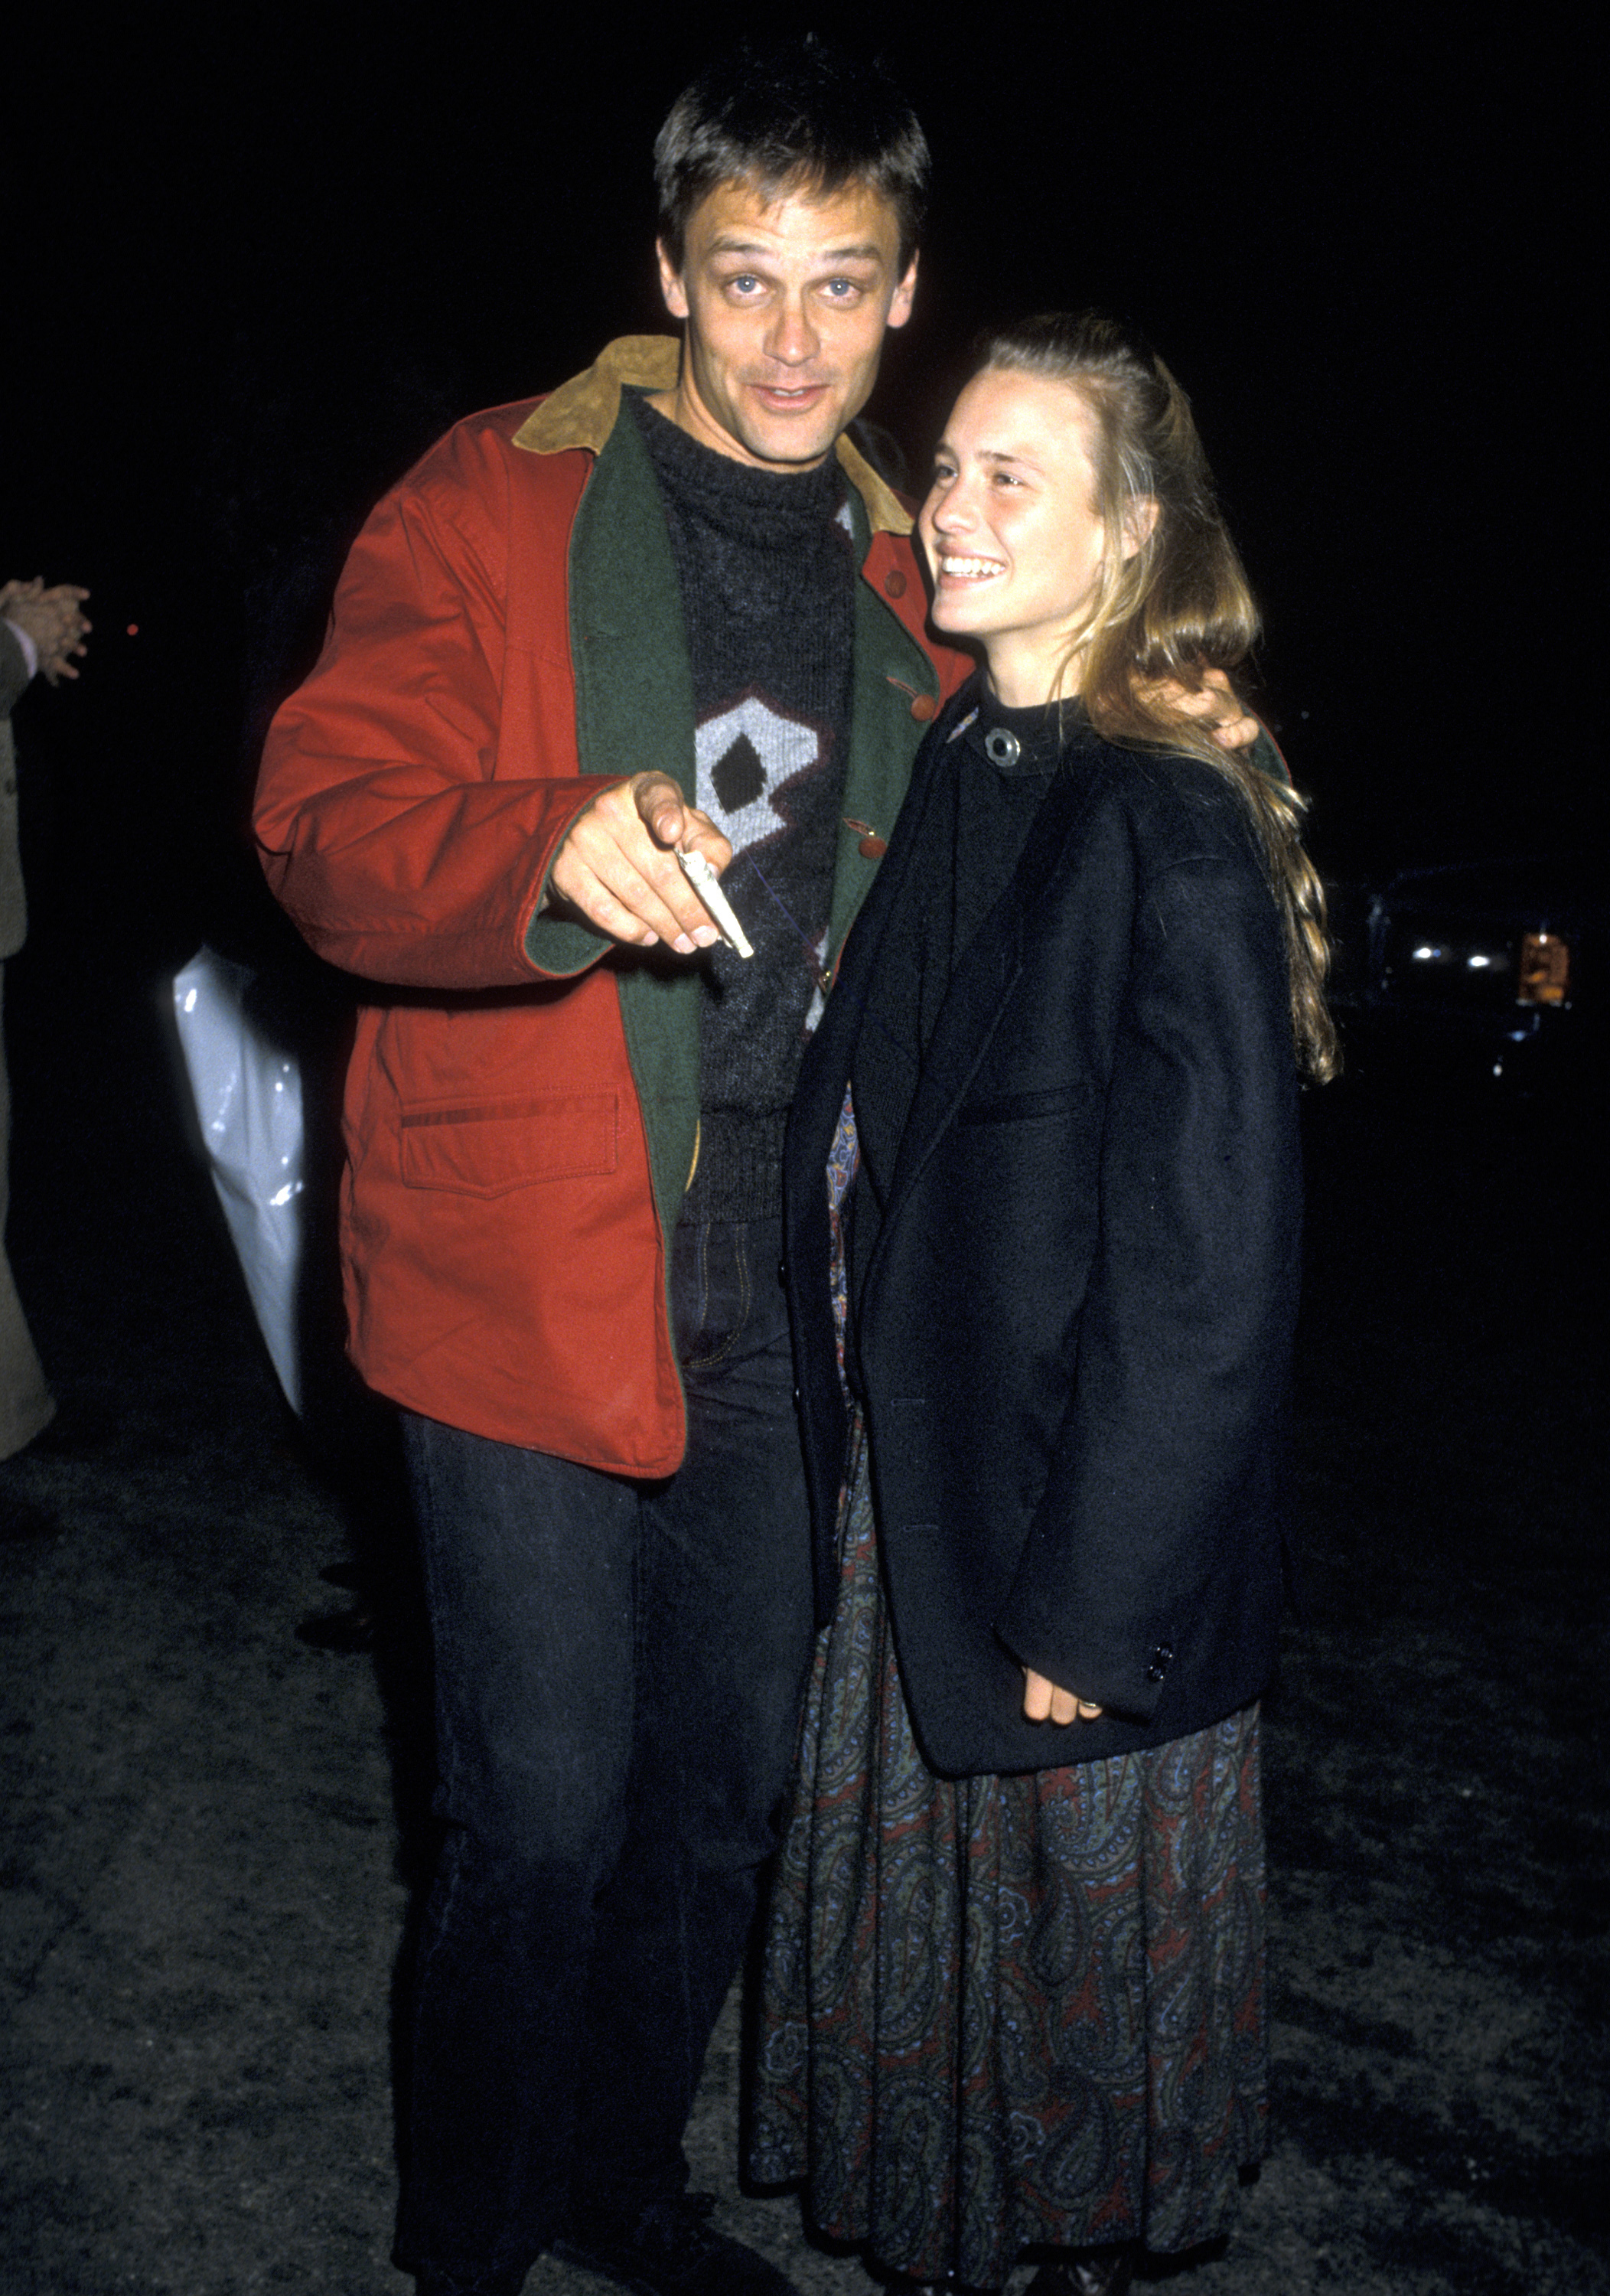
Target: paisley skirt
[(1003, 2012)]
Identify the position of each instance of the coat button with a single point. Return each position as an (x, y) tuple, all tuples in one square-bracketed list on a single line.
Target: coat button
[(894, 583), (1158, 1668), (924, 708)]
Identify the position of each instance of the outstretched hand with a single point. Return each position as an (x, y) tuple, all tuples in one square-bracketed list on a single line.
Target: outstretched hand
[(52, 621), (1045, 1701), (618, 867)]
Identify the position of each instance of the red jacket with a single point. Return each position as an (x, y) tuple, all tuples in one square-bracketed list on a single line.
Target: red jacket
[(521, 1113)]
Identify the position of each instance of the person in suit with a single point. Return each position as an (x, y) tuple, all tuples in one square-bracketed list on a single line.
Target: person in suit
[(1043, 1305), (41, 632)]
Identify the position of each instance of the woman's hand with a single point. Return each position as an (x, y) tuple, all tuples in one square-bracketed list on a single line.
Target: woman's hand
[(52, 621), (1045, 1701)]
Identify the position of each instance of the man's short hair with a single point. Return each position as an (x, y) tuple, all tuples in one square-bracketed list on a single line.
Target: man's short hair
[(796, 116)]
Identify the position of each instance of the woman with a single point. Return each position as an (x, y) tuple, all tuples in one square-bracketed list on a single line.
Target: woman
[(1015, 1976)]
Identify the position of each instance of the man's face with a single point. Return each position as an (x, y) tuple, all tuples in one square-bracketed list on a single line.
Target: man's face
[(785, 304)]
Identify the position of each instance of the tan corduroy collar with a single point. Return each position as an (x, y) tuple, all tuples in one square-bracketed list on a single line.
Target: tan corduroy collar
[(582, 412)]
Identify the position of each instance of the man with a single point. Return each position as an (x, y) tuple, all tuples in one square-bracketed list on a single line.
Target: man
[(669, 606), (666, 606), (41, 632)]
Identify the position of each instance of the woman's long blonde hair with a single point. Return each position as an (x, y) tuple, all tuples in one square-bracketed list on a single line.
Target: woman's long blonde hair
[(1177, 605)]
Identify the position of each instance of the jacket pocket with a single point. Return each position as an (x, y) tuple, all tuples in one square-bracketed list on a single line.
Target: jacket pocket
[(1013, 1107), (487, 1147)]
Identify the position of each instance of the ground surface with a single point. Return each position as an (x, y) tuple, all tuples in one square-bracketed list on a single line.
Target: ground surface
[(212, 1831)]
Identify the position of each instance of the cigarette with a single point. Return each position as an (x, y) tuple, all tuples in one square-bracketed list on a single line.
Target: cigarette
[(701, 875)]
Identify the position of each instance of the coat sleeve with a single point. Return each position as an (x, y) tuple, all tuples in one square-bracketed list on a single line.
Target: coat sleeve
[(13, 670), (1164, 1458), (415, 790)]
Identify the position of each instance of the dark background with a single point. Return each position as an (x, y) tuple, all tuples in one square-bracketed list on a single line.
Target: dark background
[(259, 261), (254, 263)]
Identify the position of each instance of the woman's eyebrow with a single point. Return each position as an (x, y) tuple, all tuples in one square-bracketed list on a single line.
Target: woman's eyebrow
[(1014, 454), (1018, 455)]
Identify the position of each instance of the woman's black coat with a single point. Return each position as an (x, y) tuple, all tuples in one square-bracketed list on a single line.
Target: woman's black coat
[(1073, 1331)]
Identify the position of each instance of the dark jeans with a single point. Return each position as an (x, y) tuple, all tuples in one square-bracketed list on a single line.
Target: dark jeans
[(619, 1669)]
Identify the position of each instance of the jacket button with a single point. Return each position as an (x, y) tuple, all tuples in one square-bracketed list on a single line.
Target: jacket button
[(894, 583), (924, 708), (1158, 1668)]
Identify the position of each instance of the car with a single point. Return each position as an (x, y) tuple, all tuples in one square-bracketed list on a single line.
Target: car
[(1485, 968)]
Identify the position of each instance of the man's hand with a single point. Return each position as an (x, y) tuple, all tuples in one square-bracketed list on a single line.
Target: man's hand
[(1216, 701), (52, 621), (1044, 1702), (619, 865)]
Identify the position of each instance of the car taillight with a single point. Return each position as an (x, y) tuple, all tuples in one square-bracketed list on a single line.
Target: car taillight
[(1545, 969)]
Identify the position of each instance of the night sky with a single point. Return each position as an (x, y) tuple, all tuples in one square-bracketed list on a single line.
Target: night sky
[(257, 264)]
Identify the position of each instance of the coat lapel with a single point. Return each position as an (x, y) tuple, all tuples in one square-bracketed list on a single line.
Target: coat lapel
[(855, 1008), (985, 978)]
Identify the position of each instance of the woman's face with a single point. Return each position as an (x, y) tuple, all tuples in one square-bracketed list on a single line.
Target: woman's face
[(1010, 527)]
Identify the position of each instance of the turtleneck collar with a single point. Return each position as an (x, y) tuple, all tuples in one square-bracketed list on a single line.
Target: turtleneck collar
[(735, 496), (1030, 740)]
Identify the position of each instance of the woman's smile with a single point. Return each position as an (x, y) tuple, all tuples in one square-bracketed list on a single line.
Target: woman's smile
[(951, 569)]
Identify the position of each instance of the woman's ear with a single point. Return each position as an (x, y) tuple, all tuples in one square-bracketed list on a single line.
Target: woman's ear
[(1140, 522)]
